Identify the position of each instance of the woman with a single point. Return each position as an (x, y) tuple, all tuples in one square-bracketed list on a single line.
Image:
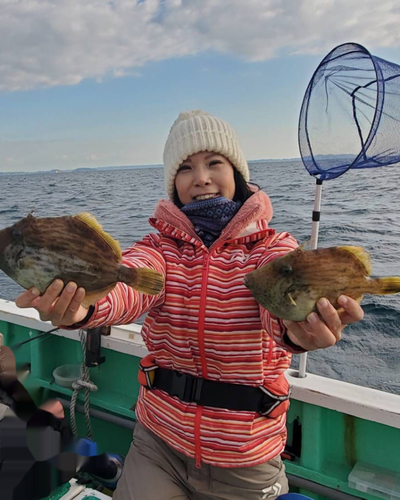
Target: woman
[(212, 406)]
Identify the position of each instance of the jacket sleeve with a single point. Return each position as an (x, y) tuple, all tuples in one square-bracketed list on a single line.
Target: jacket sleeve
[(279, 245), (123, 304)]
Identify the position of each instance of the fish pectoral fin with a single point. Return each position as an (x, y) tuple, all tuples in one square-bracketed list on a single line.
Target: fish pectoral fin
[(292, 299), (25, 262)]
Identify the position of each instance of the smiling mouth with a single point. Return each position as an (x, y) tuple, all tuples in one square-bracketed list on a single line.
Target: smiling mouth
[(202, 197)]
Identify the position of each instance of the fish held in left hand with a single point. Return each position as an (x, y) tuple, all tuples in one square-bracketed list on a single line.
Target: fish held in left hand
[(36, 251), (290, 286)]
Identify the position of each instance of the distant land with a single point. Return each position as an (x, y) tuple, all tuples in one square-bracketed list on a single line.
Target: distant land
[(80, 169), (159, 165)]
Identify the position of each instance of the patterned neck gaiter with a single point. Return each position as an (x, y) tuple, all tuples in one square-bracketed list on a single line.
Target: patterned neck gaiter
[(209, 217)]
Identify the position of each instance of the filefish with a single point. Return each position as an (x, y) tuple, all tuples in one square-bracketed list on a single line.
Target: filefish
[(290, 286), (36, 251)]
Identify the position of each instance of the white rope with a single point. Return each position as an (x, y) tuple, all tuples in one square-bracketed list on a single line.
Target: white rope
[(82, 383)]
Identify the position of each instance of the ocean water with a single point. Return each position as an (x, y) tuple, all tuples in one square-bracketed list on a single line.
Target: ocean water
[(359, 208)]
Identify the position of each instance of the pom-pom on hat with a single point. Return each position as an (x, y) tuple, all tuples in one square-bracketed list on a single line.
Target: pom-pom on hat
[(196, 131)]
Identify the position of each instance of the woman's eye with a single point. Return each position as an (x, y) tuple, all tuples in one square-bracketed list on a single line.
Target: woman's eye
[(215, 162), (183, 167)]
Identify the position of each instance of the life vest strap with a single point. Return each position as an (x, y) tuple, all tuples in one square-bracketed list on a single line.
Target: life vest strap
[(214, 393)]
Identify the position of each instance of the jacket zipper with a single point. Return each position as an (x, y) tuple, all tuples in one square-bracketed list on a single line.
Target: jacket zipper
[(202, 319)]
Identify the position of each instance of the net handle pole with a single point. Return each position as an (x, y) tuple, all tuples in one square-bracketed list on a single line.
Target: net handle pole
[(316, 215)]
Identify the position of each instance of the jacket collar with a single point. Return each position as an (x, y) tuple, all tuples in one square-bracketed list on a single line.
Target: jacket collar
[(252, 217)]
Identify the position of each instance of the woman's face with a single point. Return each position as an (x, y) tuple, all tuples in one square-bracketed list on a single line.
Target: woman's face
[(203, 176)]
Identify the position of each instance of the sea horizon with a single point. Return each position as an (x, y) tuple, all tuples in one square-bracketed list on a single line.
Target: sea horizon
[(155, 165), (120, 167)]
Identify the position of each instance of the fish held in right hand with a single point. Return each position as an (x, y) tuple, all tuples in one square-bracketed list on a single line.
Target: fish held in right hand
[(36, 251)]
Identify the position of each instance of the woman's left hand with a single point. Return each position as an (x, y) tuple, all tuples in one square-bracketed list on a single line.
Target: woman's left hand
[(324, 329)]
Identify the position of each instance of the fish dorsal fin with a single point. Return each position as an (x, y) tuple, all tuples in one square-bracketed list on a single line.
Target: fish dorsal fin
[(91, 221), (305, 245), (361, 255)]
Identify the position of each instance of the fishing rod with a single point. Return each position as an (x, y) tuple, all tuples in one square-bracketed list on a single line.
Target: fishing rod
[(43, 334)]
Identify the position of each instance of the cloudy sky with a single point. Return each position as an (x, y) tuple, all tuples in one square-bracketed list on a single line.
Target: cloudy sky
[(98, 83)]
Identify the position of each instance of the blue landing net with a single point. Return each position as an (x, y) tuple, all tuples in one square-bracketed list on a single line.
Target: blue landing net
[(350, 116)]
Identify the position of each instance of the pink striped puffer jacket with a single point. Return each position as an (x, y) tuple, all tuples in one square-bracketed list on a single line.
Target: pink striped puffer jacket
[(206, 323)]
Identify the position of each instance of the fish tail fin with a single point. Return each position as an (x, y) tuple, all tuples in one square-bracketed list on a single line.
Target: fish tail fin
[(388, 285), (142, 279)]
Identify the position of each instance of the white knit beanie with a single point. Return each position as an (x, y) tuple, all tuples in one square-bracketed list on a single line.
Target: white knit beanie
[(196, 131)]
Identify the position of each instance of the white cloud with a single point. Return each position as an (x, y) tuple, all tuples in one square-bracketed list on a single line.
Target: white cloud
[(47, 43)]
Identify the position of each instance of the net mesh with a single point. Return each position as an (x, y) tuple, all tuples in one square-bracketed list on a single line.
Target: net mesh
[(350, 116)]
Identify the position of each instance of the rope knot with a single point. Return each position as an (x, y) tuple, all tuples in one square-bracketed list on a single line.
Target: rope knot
[(83, 384)]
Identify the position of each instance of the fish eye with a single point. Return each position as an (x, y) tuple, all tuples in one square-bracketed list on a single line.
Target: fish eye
[(286, 270), (17, 233)]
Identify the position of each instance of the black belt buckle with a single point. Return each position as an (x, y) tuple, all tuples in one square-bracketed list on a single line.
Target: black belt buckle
[(178, 384), (186, 387)]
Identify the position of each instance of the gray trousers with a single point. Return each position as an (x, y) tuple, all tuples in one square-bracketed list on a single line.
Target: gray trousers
[(154, 471)]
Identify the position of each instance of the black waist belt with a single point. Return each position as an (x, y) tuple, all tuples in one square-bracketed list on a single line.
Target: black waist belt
[(216, 394)]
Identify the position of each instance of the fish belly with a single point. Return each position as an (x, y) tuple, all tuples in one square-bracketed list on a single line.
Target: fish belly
[(40, 267)]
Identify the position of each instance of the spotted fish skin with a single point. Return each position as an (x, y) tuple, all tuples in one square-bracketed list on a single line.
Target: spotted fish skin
[(290, 286), (35, 251)]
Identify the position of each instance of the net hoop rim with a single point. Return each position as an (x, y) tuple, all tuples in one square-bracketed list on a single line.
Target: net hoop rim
[(377, 114)]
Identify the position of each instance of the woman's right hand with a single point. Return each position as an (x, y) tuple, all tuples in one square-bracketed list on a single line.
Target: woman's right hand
[(61, 306)]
